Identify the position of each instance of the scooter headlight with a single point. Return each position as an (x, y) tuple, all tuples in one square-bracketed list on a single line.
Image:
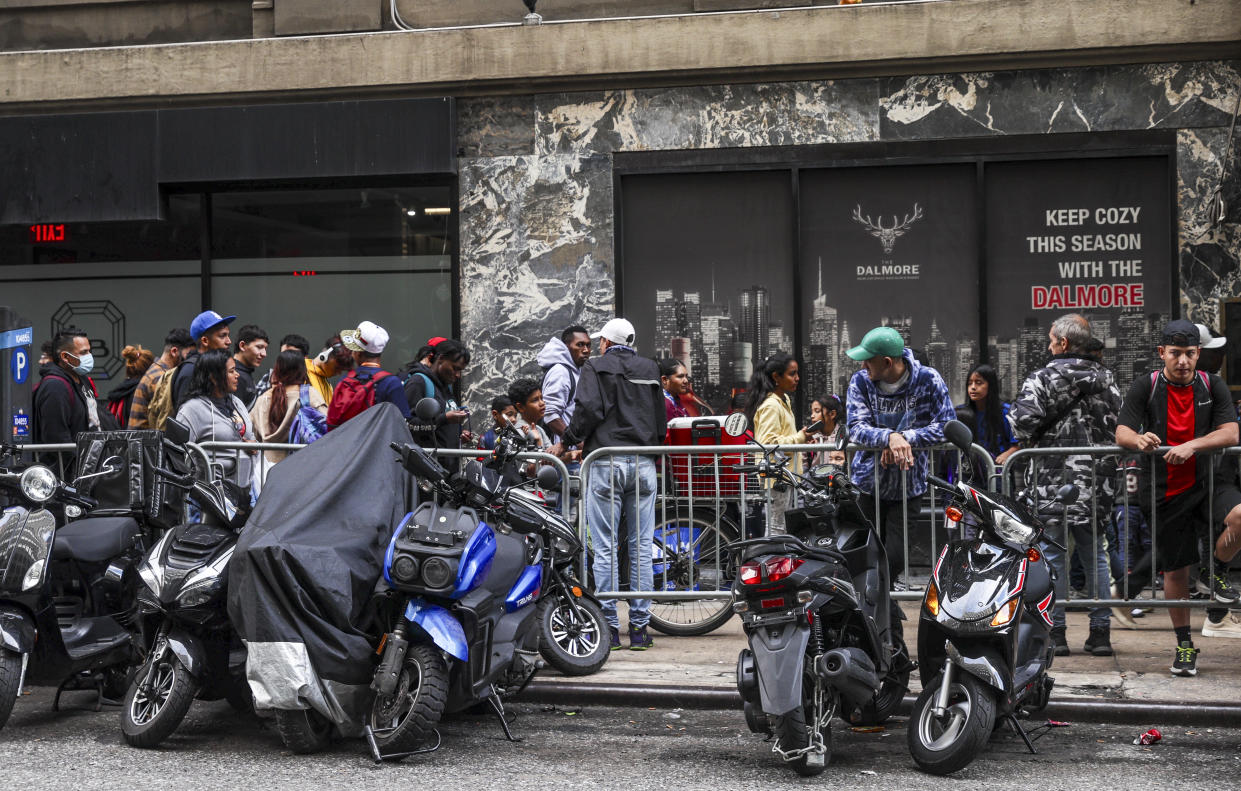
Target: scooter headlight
[(38, 484), (34, 574), (1011, 530)]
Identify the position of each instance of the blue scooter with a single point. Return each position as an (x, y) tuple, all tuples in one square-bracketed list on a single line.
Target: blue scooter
[(461, 604)]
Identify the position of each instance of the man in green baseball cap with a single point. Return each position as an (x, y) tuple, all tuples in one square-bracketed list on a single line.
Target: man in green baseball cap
[(879, 342), (901, 406)]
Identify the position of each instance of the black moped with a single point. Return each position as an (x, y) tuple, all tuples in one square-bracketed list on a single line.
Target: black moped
[(66, 593), (825, 639), (984, 635)]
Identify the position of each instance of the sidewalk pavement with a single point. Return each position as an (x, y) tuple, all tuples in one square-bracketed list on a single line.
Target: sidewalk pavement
[(1138, 671)]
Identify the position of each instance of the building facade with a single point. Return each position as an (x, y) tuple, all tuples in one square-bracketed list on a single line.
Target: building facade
[(734, 183)]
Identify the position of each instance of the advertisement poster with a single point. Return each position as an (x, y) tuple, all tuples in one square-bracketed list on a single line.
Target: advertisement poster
[(707, 276), (893, 246), (1077, 236)]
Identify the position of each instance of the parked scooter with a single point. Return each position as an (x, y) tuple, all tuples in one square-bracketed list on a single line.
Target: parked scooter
[(65, 594), (460, 609), (191, 650), (815, 608), (984, 636)]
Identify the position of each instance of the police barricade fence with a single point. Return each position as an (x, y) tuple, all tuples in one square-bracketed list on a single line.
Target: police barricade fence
[(700, 504), (1113, 474), (210, 453)]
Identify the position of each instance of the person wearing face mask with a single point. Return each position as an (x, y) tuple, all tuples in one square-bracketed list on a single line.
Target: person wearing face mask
[(65, 402)]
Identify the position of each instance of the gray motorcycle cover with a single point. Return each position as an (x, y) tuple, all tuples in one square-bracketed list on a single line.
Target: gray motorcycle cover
[(306, 565)]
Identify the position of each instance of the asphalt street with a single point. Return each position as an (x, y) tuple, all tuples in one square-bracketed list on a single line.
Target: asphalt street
[(565, 748)]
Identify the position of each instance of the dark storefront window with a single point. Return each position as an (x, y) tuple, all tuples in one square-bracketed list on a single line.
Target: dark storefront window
[(314, 262), (970, 259), (305, 261), (124, 283)]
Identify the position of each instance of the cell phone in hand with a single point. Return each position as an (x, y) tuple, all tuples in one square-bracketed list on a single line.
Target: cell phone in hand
[(815, 427)]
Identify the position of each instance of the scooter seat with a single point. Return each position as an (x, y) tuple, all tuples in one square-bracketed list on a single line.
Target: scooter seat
[(94, 540)]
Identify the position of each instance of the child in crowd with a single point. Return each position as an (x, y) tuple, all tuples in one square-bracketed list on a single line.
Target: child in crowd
[(527, 398), (502, 411)]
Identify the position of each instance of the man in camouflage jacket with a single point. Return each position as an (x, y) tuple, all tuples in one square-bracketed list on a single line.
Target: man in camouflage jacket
[(1072, 401)]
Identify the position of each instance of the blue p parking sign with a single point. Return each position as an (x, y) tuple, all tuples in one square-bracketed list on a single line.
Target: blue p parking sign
[(21, 365)]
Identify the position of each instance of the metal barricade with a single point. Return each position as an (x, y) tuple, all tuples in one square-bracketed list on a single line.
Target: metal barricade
[(212, 448), (63, 450), (1026, 462), (691, 577)]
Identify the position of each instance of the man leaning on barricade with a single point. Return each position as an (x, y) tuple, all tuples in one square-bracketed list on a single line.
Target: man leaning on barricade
[(1191, 411), (897, 404), (1071, 402)]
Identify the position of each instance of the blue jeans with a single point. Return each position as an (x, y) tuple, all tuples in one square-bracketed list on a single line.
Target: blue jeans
[(1093, 559), (622, 497)]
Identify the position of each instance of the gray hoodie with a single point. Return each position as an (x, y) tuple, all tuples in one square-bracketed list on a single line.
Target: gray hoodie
[(559, 381), (208, 424)]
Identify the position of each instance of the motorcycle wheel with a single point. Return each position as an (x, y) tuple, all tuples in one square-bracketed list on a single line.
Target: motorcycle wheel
[(10, 676), (148, 716), (792, 734), (942, 746), (303, 731), (681, 562), (403, 721), (574, 642)]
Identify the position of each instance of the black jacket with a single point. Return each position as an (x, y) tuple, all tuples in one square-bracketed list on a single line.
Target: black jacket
[(442, 433), (181, 384), (619, 402), (245, 383), (60, 414)]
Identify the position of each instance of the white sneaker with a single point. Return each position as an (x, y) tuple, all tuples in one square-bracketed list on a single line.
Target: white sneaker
[(1120, 615), (1228, 626)]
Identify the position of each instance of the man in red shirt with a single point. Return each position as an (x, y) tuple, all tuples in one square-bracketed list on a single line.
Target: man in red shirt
[(1191, 411)]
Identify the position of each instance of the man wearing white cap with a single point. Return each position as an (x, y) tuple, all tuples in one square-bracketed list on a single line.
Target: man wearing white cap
[(620, 403), (367, 384), (1220, 621)]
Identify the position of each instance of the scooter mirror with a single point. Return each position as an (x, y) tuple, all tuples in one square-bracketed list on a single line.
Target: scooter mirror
[(958, 434), (548, 477), (736, 424), (1067, 494), (177, 432), (427, 409)]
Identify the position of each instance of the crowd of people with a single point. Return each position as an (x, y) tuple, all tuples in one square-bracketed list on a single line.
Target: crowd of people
[(897, 403)]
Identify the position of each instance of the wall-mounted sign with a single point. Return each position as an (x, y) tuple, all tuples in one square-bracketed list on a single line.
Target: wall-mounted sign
[(46, 232)]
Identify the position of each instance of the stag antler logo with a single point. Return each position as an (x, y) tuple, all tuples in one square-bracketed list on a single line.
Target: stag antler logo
[(887, 236)]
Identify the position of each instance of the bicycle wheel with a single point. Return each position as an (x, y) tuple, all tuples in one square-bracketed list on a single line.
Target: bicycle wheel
[(689, 555)]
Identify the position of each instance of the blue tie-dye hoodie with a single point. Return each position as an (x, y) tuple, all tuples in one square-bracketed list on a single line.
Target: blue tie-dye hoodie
[(918, 410)]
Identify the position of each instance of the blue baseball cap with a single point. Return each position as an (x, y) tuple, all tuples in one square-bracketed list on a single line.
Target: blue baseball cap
[(206, 321)]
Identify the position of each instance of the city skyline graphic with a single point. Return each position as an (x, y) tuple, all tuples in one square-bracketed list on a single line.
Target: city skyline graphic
[(723, 339)]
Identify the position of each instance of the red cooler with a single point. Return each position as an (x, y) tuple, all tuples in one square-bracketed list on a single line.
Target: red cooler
[(697, 472)]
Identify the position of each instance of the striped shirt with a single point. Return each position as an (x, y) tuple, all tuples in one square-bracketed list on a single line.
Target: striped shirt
[(143, 393)]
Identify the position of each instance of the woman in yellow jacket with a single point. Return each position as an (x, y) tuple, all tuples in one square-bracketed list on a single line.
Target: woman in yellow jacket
[(770, 410)]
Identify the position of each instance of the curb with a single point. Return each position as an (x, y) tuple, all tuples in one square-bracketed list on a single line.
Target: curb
[(686, 697)]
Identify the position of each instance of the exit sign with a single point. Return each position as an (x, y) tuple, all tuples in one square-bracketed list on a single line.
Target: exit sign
[(45, 232)]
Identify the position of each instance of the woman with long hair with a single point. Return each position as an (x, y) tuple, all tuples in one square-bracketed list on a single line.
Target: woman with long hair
[(829, 411), (214, 414), (137, 360), (991, 428), (273, 412), (769, 407)]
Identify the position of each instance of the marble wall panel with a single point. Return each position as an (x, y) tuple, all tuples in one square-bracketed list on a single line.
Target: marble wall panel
[(495, 126), (1089, 99), (707, 117), (1210, 254), (536, 256)]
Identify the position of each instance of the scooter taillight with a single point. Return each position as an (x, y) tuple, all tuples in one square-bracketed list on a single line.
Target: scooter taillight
[(750, 574), (780, 568)]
